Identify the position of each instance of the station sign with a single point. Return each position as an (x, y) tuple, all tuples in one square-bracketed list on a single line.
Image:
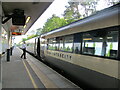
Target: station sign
[(16, 33)]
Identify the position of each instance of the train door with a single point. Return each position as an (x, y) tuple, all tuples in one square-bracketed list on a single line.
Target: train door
[(42, 47), (35, 48), (38, 47)]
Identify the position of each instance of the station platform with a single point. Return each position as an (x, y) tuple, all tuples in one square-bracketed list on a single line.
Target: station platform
[(31, 73)]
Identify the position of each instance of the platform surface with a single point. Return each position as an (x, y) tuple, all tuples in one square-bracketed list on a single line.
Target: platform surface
[(31, 73)]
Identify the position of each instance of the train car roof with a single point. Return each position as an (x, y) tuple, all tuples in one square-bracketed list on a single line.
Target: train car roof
[(100, 16)]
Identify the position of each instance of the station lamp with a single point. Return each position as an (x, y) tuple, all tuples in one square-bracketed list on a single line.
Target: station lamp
[(24, 26), (28, 19)]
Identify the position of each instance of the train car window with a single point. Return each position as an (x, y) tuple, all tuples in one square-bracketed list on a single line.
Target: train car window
[(51, 43), (92, 44), (101, 43), (61, 46), (57, 43), (68, 43), (42, 43), (77, 43), (112, 44), (45, 44)]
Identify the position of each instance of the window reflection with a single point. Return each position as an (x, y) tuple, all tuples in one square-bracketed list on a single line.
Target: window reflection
[(52, 43), (64, 43), (77, 43), (61, 43), (112, 44), (100, 43), (92, 45), (68, 44), (96, 43)]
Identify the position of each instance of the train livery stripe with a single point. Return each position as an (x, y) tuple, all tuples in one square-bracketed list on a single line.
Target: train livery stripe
[(104, 66)]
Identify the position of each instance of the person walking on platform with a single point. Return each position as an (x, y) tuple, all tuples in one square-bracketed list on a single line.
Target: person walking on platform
[(24, 50)]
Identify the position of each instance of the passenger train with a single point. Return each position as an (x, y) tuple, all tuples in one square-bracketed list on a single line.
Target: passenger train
[(87, 50)]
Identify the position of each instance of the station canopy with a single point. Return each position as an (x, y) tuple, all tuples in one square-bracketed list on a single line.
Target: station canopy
[(33, 10)]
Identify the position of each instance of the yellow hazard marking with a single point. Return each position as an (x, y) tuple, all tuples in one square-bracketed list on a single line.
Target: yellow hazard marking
[(31, 78), (44, 79)]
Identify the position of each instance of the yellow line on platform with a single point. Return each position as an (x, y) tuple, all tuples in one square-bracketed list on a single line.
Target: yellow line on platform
[(31, 78), (43, 77)]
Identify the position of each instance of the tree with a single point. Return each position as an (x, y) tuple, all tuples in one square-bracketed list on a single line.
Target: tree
[(53, 23), (24, 39), (71, 13), (89, 7), (38, 31), (74, 6), (29, 37), (112, 2)]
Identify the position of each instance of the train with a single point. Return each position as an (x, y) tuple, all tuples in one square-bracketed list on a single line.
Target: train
[(87, 50)]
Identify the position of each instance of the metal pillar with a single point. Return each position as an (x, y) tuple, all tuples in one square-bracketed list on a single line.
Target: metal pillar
[(11, 48), (8, 55), (9, 44), (11, 51)]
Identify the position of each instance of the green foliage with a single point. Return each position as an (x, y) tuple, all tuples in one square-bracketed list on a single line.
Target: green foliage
[(24, 39), (94, 44), (111, 46), (38, 31), (87, 45), (52, 48), (71, 13), (29, 37), (67, 49), (53, 23)]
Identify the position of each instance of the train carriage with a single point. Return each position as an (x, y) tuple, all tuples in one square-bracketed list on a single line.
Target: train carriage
[(88, 50), (31, 45)]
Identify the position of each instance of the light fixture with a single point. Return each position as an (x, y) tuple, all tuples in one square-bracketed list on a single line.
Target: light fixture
[(28, 19), (87, 39), (100, 38), (109, 37), (24, 26)]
